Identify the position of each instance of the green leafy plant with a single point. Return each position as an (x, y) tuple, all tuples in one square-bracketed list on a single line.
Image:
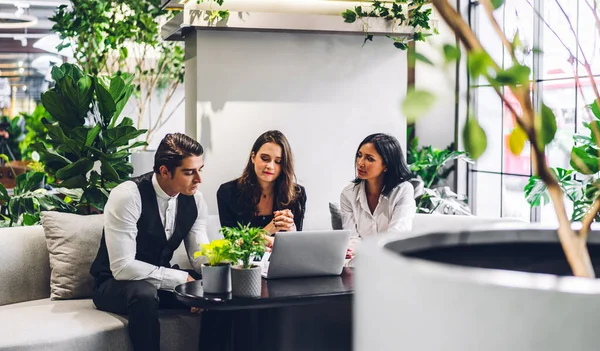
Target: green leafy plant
[(110, 37), (35, 131), (28, 200), (89, 149), (217, 252), (14, 134), (413, 13), (246, 242)]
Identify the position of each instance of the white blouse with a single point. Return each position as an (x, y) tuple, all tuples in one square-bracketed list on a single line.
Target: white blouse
[(394, 213)]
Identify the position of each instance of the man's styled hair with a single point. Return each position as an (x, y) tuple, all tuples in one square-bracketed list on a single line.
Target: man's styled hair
[(173, 149)]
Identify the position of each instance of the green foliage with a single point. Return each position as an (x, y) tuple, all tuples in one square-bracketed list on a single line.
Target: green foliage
[(112, 37), (217, 252), (89, 150), (246, 241), (431, 164), (413, 13), (14, 134), (28, 200), (474, 138), (36, 131), (417, 103)]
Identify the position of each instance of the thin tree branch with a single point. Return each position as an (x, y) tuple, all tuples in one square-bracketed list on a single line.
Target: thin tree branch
[(588, 219)]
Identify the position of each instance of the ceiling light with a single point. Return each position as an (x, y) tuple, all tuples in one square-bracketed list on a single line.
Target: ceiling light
[(21, 70), (20, 63), (24, 88)]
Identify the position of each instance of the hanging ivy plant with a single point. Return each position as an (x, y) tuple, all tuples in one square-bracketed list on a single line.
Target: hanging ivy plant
[(411, 13)]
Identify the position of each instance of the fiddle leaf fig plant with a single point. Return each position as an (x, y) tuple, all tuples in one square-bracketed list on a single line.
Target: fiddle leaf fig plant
[(90, 143)]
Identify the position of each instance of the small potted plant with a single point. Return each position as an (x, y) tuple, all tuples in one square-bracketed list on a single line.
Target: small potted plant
[(216, 273), (246, 242)]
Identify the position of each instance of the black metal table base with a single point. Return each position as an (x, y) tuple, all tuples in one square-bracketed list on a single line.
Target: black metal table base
[(316, 327)]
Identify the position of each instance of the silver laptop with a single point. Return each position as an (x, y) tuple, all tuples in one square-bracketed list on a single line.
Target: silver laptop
[(307, 254)]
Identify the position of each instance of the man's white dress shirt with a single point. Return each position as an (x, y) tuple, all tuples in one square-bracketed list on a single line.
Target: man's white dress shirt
[(121, 214), (394, 212)]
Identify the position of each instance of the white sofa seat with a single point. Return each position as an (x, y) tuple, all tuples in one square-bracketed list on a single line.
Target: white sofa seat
[(78, 325)]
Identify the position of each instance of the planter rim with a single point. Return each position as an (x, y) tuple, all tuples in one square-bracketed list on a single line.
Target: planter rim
[(241, 268), (480, 234), (216, 265)]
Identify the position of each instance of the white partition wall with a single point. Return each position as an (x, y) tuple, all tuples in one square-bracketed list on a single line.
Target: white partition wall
[(323, 91)]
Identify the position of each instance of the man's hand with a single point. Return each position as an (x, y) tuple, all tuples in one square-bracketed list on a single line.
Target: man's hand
[(193, 309)]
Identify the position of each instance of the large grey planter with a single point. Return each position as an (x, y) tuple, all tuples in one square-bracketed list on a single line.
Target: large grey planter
[(216, 279), (407, 303), (246, 282)]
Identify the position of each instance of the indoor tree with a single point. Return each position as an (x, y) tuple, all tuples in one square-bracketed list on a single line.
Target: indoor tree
[(538, 125), (108, 37)]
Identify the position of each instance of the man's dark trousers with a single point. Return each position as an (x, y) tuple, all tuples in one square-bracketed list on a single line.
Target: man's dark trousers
[(140, 301)]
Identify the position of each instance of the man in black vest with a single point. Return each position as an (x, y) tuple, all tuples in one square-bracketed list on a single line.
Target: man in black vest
[(145, 220)]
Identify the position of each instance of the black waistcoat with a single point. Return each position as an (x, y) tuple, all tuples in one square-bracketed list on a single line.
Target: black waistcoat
[(152, 245)]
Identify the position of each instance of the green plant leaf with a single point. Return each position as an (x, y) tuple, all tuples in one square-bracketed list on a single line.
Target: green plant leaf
[(497, 3), (420, 57), (474, 138), (109, 172), (545, 124), (92, 134), (417, 103), (583, 162), (79, 167), (595, 109), (57, 107), (517, 140), (479, 63), (451, 53), (515, 75), (349, 16), (106, 104)]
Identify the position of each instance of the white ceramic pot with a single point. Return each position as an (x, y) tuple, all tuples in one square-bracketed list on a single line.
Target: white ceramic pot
[(409, 303)]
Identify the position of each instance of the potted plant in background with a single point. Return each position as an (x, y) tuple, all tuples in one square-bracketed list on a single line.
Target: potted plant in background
[(216, 273), (246, 242), (90, 142)]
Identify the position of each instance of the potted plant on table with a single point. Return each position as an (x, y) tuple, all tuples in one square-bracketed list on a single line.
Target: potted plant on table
[(246, 242), (216, 273)]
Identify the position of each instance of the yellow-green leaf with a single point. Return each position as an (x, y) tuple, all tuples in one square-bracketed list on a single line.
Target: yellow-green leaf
[(545, 125), (474, 138), (517, 140), (417, 103)]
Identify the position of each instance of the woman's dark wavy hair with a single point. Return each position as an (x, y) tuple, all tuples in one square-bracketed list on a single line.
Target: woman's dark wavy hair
[(393, 158), (173, 149), (286, 190)]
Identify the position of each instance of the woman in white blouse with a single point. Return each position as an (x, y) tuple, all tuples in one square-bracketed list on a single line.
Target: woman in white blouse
[(380, 199)]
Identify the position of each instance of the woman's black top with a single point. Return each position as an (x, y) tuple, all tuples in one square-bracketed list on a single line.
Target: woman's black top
[(235, 207)]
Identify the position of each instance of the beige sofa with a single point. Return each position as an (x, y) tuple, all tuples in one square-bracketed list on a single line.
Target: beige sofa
[(29, 320)]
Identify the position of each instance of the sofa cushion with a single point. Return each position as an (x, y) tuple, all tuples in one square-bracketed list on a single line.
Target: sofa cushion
[(336, 216), (73, 242), (25, 272), (78, 325)]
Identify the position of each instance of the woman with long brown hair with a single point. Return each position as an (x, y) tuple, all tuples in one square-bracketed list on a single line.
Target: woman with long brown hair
[(266, 195)]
